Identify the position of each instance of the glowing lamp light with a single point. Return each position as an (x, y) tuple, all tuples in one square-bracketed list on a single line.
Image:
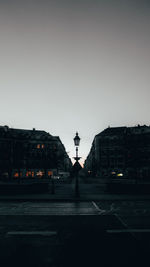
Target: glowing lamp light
[(120, 174), (76, 140)]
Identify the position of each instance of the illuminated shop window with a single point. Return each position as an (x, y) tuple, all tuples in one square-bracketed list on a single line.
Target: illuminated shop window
[(38, 146), (42, 146), (28, 174), (120, 174), (40, 173), (16, 175), (50, 173)]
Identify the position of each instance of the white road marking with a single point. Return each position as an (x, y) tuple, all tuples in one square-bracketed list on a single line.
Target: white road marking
[(128, 231), (97, 208), (123, 223), (43, 233), (95, 205)]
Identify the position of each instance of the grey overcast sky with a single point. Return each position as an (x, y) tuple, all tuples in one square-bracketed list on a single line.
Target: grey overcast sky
[(68, 66)]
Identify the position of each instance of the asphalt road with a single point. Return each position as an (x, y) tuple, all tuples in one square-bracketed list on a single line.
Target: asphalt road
[(48, 208), (134, 213), (63, 234)]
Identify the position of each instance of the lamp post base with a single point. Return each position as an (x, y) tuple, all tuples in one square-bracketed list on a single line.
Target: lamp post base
[(77, 193)]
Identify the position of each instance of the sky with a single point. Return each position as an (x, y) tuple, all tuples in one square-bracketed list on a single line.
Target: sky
[(68, 66)]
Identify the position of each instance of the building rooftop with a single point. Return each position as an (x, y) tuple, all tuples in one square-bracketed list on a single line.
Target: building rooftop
[(24, 133), (123, 129)]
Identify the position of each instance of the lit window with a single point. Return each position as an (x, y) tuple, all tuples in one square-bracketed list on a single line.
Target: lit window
[(40, 173), (16, 174), (28, 173), (42, 146), (50, 173), (38, 146)]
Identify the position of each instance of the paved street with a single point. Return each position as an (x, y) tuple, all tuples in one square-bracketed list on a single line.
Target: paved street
[(134, 213), (46, 232), (66, 192), (62, 234), (49, 208)]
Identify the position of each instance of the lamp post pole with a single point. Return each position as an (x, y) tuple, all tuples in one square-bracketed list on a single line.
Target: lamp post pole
[(77, 158)]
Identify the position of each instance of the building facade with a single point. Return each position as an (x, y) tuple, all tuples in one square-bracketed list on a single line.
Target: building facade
[(121, 151), (31, 153)]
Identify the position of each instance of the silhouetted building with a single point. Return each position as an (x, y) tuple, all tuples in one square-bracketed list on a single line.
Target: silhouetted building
[(31, 153), (120, 152)]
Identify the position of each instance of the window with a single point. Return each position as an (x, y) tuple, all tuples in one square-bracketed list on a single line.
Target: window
[(40, 173), (16, 174), (38, 146), (28, 174)]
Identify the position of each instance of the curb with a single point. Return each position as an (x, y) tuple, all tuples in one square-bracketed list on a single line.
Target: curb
[(73, 199)]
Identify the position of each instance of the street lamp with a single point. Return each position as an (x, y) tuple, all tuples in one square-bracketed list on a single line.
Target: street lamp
[(77, 165)]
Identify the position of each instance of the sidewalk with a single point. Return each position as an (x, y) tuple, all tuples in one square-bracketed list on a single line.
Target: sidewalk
[(66, 192)]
